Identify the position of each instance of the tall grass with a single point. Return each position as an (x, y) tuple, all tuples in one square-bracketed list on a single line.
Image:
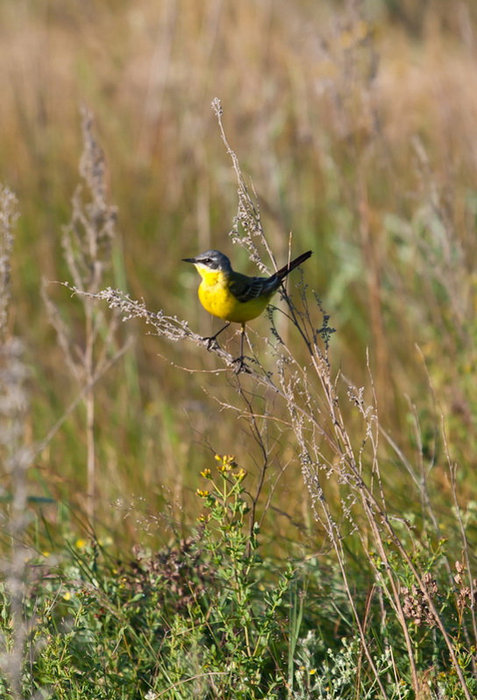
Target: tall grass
[(356, 132), (423, 582)]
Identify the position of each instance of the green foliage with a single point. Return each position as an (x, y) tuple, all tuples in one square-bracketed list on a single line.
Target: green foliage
[(210, 617), (204, 618)]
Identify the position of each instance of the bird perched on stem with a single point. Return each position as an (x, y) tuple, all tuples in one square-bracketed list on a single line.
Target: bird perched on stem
[(234, 297)]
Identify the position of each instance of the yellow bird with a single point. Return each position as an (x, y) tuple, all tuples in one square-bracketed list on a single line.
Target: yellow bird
[(234, 297)]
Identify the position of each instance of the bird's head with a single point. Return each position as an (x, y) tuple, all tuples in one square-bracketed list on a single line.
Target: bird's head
[(210, 261)]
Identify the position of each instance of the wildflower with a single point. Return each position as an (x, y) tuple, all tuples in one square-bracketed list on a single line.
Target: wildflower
[(227, 463), (202, 494), (206, 473)]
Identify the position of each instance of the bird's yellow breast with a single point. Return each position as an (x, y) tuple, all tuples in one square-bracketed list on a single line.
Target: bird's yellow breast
[(216, 298)]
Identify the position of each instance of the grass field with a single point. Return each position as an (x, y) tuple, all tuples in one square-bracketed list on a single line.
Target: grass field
[(173, 529)]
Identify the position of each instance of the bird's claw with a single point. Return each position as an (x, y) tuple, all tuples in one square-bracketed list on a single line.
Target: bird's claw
[(211, 342), (241, 366)]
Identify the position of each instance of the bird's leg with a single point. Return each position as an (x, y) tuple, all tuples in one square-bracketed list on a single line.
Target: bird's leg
[(211, 339), (241, 366)]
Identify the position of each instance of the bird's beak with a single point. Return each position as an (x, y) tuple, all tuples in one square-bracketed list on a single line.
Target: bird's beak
[(191, 260)]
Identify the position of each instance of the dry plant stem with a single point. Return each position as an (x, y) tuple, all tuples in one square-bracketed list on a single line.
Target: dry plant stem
[(365, 622), (87, 241), (394, 595), (170, 327), (248, 214), (424, 489), (375, 514), (465, 544), (178, 684), (15, 456), (8, 217), (429, 601), (105, 367), (421, 483), (318, 501), (335, 539), (175, 330), (257, 434), (18, 462), (89, 404)]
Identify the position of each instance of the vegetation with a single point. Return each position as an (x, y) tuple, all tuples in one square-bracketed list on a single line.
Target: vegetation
[(303, 529)]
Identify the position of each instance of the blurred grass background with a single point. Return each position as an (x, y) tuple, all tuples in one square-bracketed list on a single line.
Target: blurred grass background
[(356, 122)]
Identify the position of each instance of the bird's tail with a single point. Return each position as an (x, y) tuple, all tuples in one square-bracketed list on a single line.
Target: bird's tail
[(286, 269)]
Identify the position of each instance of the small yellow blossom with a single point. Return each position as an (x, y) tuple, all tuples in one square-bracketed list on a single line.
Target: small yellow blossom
[(227, 463), (312, 671), (80, 543), (240, 475), (67, 595), (202, 494), (206, 473)]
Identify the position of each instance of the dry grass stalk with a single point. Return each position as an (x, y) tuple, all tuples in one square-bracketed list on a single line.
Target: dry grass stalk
[(15, 456), (87, 242)]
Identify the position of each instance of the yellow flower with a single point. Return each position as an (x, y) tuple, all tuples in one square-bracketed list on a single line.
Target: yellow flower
[(206, 473), (227, 463), (80, 543), (240, 475), (202, 494)]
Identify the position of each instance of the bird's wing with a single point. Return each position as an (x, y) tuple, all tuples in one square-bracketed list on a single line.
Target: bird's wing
[(246, 288)]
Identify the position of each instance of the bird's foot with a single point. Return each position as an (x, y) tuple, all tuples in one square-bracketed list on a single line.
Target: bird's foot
[(211, 341), (240, 365)]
